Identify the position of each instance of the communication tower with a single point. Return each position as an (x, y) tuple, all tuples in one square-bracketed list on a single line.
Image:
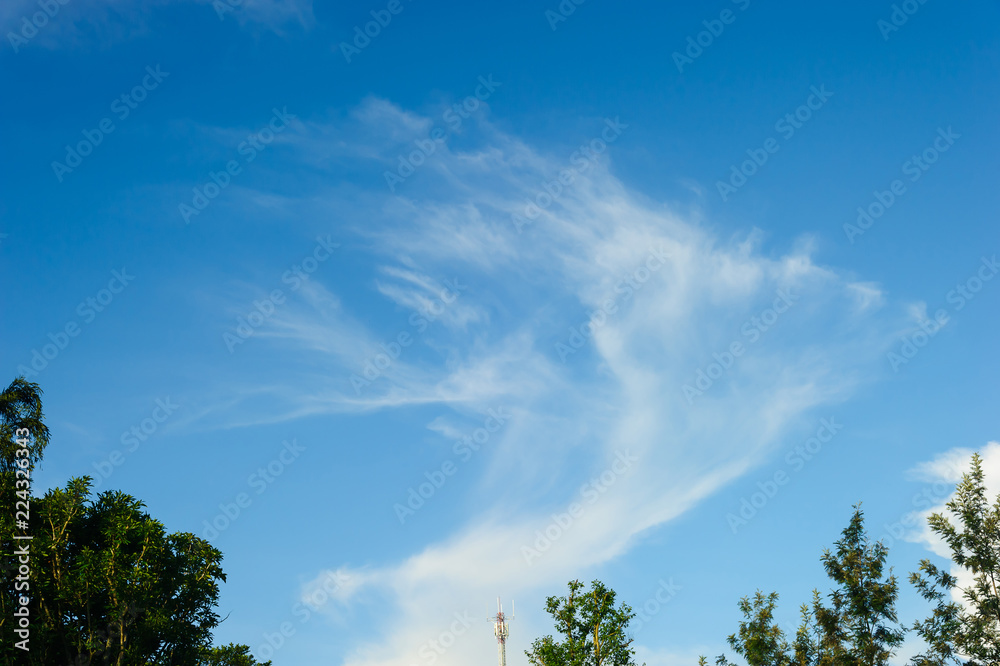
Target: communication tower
[(501, 631)]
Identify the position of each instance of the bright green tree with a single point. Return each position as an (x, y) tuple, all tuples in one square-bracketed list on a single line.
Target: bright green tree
[(593, 630), (972, 629)]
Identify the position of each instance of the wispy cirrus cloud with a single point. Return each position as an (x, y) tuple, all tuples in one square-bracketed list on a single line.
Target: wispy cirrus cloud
[(101, 23), (611, 429)]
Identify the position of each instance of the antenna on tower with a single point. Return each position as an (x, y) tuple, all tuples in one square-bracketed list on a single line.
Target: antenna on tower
[(501, 631)]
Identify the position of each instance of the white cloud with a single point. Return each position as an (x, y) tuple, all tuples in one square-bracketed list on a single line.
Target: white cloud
[(430, 298), (100, 23), (619, 391), (275, 15), (337, 586), (867, 295), (445, 428), (948, 468)]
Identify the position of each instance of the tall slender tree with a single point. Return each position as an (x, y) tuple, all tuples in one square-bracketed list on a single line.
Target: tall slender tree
[(21, 418), (971, 629), (861, 626), (858, 628)]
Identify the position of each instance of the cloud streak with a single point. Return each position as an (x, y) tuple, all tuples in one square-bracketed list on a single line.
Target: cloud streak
[(99, 23), (620, 394)]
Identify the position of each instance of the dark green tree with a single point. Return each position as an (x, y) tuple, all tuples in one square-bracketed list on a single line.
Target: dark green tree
[(860, 627), (108, 584), (21, 419), (111, 586), (972, 631), (762, 642), (229, 655), (759, 639), (21, 408), (942, 628), (593, 630)]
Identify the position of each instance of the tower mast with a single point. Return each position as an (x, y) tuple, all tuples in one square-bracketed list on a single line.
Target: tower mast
[(501, 631)]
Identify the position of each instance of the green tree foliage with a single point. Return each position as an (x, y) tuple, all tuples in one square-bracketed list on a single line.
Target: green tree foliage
[(112, 586), (762, 642), (974, 541), (593, 630), (108, 584), (940, 630), (20, 411), (21, 407), (229, 655), (860, 627)]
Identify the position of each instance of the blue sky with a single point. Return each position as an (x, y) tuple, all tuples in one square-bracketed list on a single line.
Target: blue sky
[(338, 287)]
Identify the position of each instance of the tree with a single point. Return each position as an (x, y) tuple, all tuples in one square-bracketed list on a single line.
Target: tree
[(762, 642), (861, 627), (106, 583), (972, 629), (759, 639), (111, 586), (593, 630), (21, 408), (858, 629), (944, 624), (21, 418), (229, 655)]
